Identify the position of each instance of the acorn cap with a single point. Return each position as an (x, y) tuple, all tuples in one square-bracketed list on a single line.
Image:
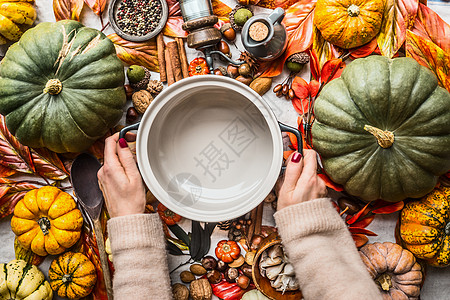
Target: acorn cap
[(225, 27), (301, 58)]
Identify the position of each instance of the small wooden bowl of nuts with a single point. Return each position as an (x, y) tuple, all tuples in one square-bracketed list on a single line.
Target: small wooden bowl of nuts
[(272, 273), (138, 20)]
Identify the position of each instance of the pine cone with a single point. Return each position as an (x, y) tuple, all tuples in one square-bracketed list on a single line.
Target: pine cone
[(250, 60), (142, 85), (155, 87), (225, 225), (301, 58)]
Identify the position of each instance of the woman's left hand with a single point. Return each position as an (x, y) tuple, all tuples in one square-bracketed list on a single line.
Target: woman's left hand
[(120, 180)]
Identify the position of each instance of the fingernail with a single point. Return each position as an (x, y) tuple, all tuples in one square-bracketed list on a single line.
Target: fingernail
[(296, 157), (123, 143)]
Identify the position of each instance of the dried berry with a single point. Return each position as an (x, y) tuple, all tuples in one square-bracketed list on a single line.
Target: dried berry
[(197, 269), (231, 274), (285, 89), (243, 282), (277, 88), (187, 276), (214, 276), (132, 115), (244, 69), (209, 262), (291, 93), (280, 93)]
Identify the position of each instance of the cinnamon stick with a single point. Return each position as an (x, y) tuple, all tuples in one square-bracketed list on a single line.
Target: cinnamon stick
[(183, 57), (169, 71), (251, 228), (161, 57), (175, 60), (258, 219)]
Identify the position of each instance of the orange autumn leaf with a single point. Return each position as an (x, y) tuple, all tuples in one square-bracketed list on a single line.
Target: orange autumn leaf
[(144, 53), (364, 222), (272, 4), (330, 183), (431, 56), (220, 9), (332, 69), (430, 26), (324, 50), (299, 26), (360, 230), (300, 87), (364, 50), (360, 239), (97, 6), (313, 88), (173, 27), (398, 16), (67, 9), (287, 153), (6, 172), (383, 207)]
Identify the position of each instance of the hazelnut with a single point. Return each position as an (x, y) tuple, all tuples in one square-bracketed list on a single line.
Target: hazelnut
[(141, 100), (243, 282), (256, 242), (132, 115), (187, 276), (209, 262), (214, 276)]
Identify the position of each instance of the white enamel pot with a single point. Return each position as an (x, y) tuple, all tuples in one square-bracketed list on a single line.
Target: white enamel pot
[(209, 148)]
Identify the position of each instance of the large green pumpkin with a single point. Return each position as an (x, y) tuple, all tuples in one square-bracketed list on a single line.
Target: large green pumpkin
[(383, 129), (61, 86)]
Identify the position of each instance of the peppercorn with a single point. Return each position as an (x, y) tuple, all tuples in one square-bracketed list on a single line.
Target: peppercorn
[(138, 17)]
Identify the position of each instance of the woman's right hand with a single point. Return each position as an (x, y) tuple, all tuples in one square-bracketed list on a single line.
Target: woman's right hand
[(301, 182)]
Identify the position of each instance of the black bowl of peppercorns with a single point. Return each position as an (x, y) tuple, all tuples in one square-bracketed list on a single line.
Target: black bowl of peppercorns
[(138, 20)]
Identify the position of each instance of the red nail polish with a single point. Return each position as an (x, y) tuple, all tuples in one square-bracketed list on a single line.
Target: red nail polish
[(296, 157), (123, 143)]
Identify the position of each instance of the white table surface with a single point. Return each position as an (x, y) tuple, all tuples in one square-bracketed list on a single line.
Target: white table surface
[(437, 284)]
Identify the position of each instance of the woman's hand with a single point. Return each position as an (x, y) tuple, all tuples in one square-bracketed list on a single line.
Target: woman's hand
[(120, 180), (301, 182)]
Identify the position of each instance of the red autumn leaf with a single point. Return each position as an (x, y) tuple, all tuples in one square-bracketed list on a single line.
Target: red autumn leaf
[(67, 9), (6, 172), (360, 239), (314, 64), (299, 26), (300, 87), (398, 16), (364, 222), (358, 230), (332, 69), (13, 154), (430, 26), (301, 106), (313, 88), (364, 211), (293, 140), (364, 50), (11, 194), (286, 154), (173, 27), (48, 164), (428, 54), (97, 6), (324, 50), (174, 8), (383, 207), (329, 183)]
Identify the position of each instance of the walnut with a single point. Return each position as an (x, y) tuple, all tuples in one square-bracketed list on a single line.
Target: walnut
[(155, 87), (141, 100)]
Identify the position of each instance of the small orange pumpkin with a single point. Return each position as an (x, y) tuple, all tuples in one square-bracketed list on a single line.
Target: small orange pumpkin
[(425, 227), (394, 269), (47, 221), (349, 23)]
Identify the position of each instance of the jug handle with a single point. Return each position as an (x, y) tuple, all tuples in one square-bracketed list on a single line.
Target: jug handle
[(277, 15)]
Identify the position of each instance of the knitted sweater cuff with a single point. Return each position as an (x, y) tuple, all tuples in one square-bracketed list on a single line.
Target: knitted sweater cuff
[(135, 231), (308, 218)]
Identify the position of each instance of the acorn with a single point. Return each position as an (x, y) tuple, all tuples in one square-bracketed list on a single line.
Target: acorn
[(228, 32), (243, 282), (223, 47), (296, 61), (138, 76)]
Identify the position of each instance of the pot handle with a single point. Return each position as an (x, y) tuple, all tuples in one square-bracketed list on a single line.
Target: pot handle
[(295, 131), (128, 128)]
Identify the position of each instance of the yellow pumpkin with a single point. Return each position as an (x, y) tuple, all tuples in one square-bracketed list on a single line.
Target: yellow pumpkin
[(15, 16), (47, 221), (349, 23), (425, 227), (72, 275), (20, 280)]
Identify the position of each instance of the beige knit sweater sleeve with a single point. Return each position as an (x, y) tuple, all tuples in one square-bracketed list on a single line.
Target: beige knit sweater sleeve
[(140, 259), (326, 261)]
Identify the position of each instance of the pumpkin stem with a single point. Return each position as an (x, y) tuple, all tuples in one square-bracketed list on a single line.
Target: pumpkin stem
[(66, 278), (53, 87), (384, 280), (385, 138), (44, 223), (353, 10)]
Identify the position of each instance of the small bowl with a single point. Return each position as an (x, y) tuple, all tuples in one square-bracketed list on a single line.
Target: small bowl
[(261, 282), (135, 38)]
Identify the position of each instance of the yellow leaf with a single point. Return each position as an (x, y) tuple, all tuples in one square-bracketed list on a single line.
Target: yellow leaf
[(67, 9), (97, 6), (143, 54)]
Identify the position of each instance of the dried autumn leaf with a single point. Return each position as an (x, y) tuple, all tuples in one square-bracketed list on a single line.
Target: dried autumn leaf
[(359, 230), (364, 211), (364, 50), (332, 69), (300, 87), (174, 8), (313, 88), (429, 25), (330, 183), (364, 222), (383, 207), (293, 140), (360, 239), (272, 4), (398, 16), (301, 106), (173, 27), (12, 193), (144, 53), (97, 6), (431, 56), (48, 164), (67, 9), (220, 9), (13, 154), (314, 64), (6, 172), (324, 50), (287, 153)]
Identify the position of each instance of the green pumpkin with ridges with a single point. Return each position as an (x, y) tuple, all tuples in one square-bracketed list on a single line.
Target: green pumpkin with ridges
[(70, 115), (383, 129)]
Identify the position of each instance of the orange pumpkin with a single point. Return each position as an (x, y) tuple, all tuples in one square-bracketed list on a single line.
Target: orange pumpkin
[(47, 221), (349, 23), (425, 227), (394, 269)]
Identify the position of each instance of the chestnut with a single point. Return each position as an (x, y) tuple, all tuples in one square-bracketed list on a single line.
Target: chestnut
[(247, 270), (209, 262), (232, 71), (221, 266), (132, 115), (256, 242), (128, 90), (223, 47), (231, 274), (214, 276), (243, 282)]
